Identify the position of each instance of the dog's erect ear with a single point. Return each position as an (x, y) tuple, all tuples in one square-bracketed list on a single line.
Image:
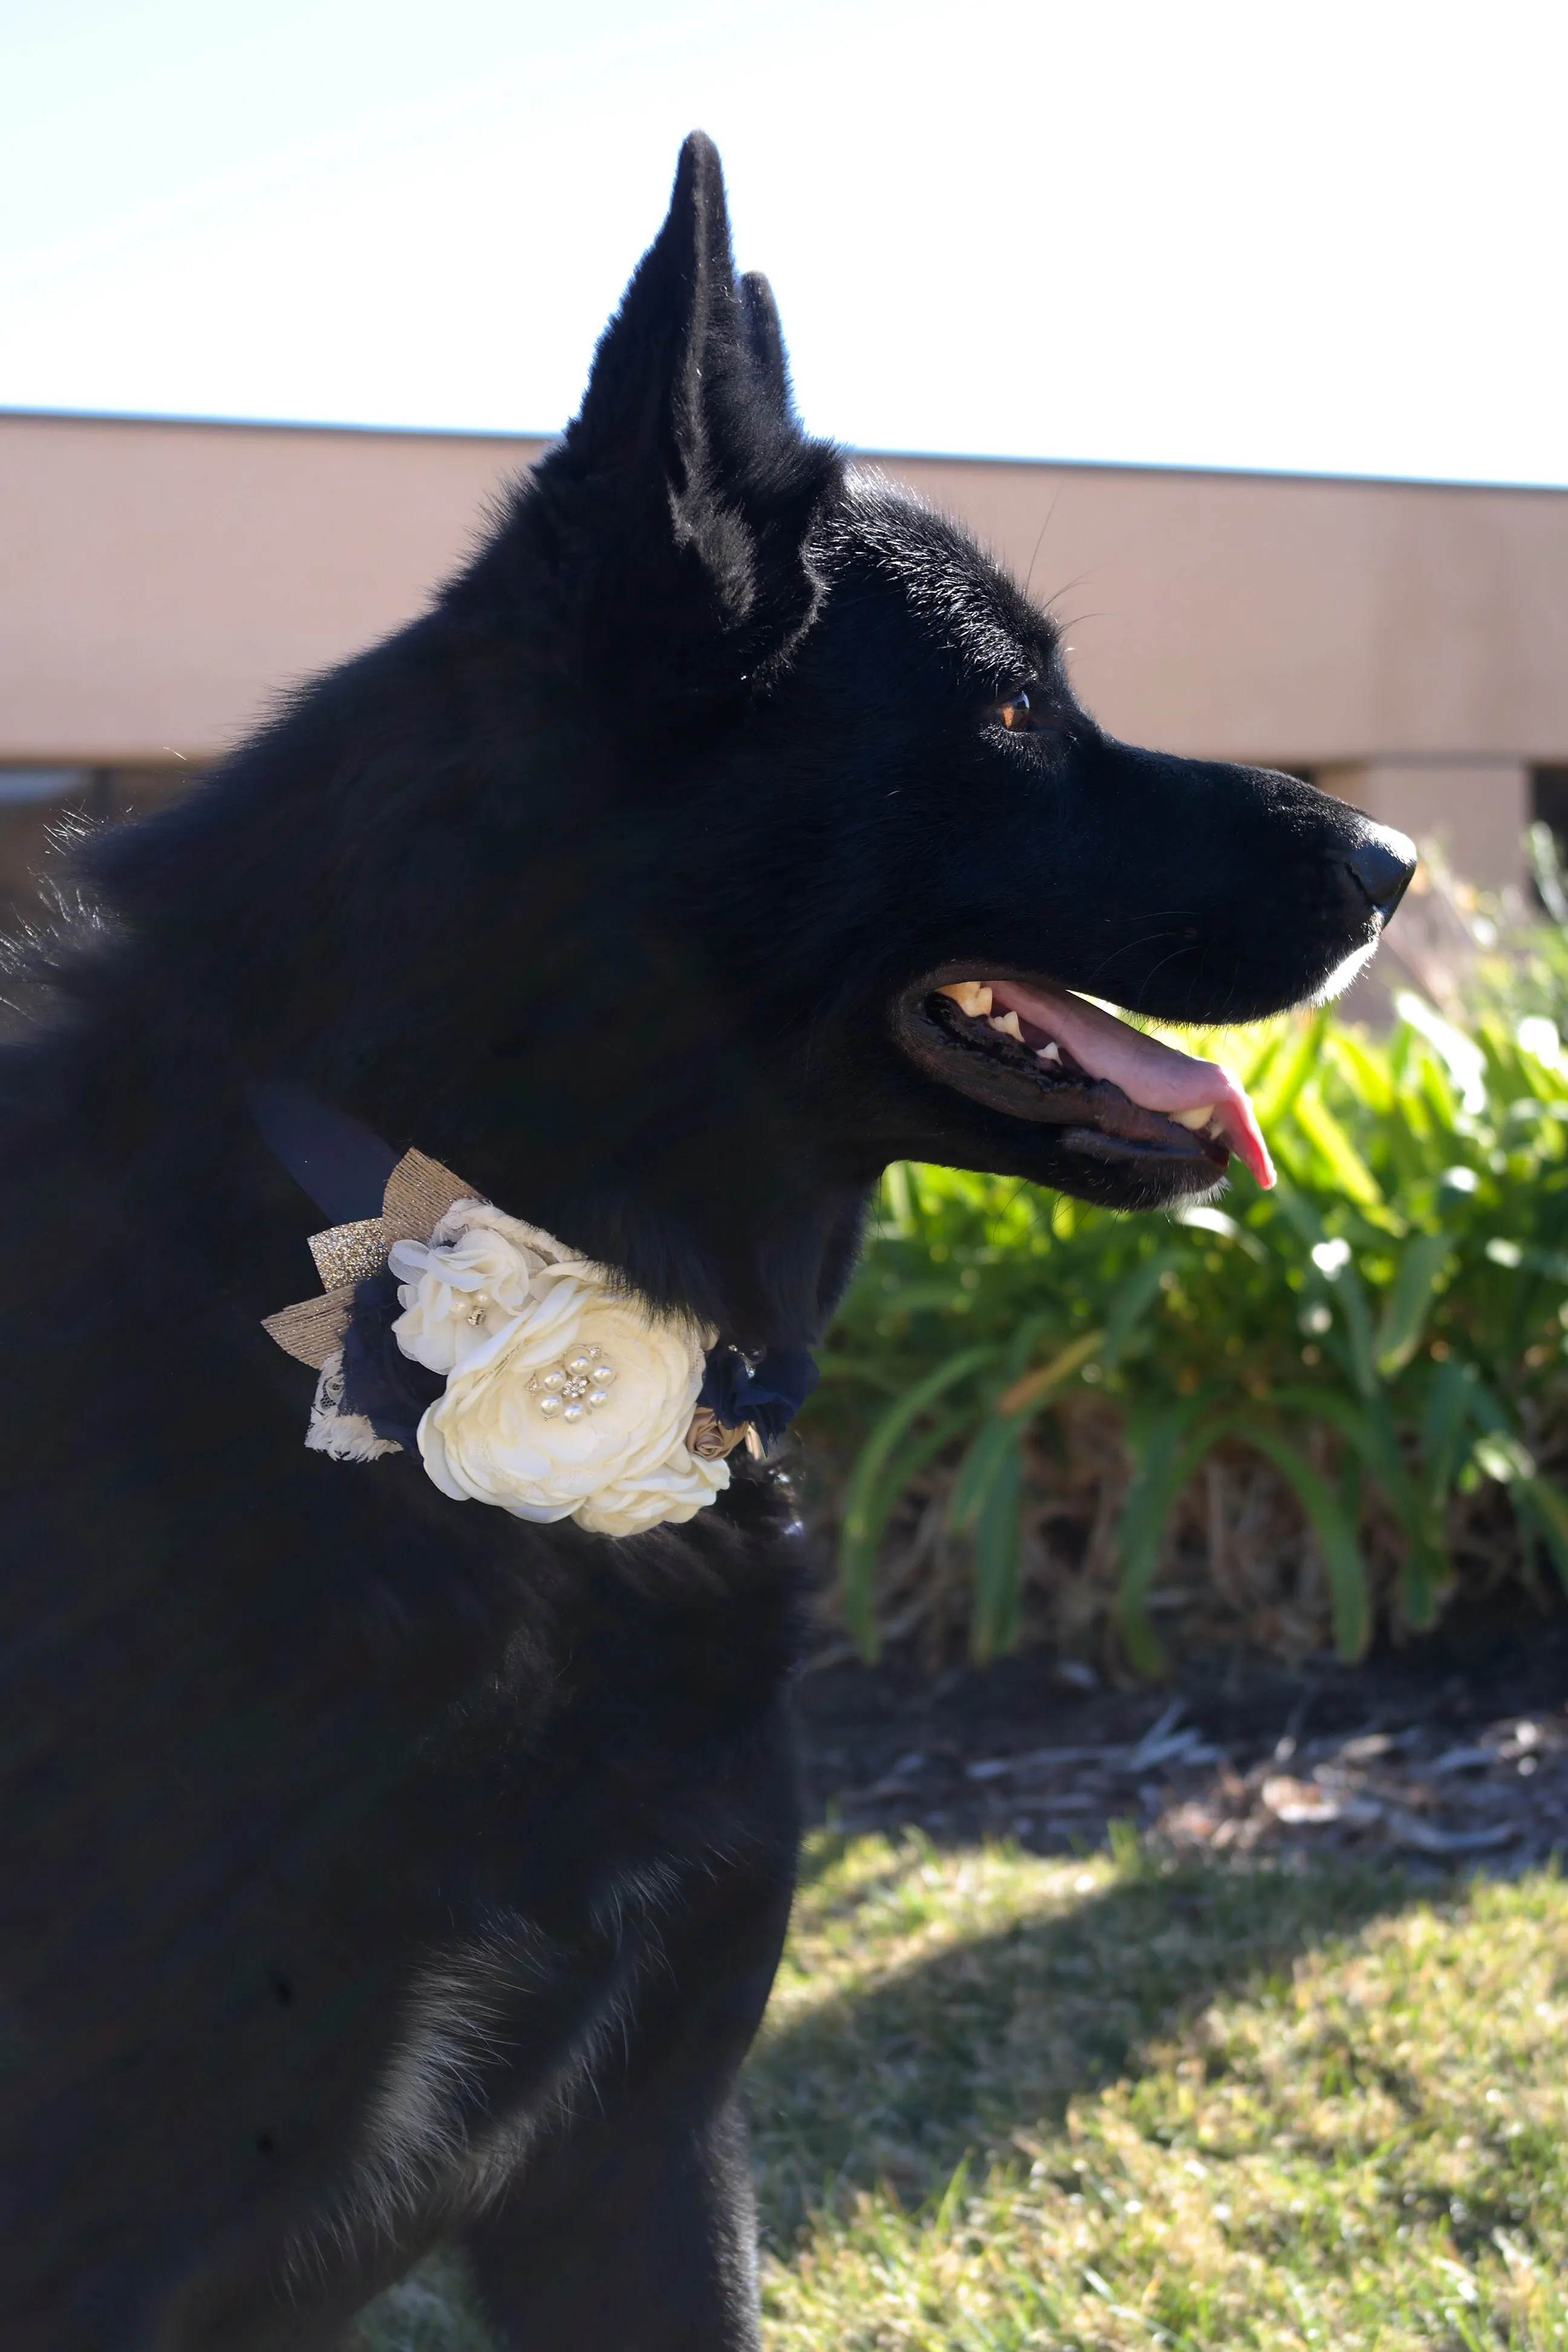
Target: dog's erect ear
[(681, 497), (765, 337)]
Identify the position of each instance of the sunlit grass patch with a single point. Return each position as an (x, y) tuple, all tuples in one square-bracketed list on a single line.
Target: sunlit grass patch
[(1004, 2102)]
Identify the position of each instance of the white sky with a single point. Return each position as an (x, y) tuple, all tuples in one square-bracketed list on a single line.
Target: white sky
[(1294, 234)]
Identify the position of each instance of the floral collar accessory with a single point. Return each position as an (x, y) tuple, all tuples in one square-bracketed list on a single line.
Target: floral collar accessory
[(518, 1372)]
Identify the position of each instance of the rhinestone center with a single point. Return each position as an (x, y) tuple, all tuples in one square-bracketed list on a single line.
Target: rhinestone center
[(573, 1384)]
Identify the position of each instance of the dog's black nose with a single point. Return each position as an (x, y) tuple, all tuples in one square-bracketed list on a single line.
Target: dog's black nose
[(1381, 866)]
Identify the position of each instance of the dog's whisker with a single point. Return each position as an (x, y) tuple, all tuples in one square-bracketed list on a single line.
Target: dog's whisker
[(1050, 511), (1188, 949)]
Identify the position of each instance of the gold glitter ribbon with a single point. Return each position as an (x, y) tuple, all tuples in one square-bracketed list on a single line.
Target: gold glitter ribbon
[(418, 1193)]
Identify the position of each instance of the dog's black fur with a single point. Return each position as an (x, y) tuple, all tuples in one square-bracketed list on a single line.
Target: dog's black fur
[(378, 1869)]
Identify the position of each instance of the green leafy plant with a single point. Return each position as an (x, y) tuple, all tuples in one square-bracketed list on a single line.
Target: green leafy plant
[(1386, 1329)]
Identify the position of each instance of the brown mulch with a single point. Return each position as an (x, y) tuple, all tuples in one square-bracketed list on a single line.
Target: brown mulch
[(1441, 1763)]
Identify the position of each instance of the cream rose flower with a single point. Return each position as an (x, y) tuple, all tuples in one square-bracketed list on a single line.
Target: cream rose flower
[(564, 1398), (468, 1282)]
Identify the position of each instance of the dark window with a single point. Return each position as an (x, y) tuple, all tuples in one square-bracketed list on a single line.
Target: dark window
[(1549, 801), (40, 806)]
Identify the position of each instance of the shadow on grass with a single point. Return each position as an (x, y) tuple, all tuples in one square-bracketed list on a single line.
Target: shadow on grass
[(978, 2051)]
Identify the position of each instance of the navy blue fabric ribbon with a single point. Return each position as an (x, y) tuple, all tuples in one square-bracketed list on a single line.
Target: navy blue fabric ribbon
[(344, 1166), (767, 1390), (389, 1388)]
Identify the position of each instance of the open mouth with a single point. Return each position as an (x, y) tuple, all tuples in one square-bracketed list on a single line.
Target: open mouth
[(1039, 1053)]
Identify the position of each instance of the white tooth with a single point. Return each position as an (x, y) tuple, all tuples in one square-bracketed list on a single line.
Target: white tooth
[(1196, 1119), (1051, 1053), (971, 996), (1006, 1024)]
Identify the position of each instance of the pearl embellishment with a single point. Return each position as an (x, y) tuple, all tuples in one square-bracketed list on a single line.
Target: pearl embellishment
[(578, 1383)]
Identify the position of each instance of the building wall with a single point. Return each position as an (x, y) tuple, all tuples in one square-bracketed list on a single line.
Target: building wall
[(165, 582), (1245, 615)]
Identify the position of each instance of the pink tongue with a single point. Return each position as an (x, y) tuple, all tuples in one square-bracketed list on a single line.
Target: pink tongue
[(1150, 1074)]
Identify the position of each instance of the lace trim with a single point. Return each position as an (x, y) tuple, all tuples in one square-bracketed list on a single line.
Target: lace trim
[(343, 1436)]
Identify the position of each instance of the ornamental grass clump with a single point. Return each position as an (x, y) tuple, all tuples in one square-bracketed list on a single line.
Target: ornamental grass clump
[(1362, 1373)]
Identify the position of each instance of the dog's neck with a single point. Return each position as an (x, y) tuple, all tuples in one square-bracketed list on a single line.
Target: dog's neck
[(777, 1280), (682, 1169), (764, 1264)]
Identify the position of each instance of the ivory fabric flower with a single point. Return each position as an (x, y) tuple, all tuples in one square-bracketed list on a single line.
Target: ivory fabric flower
[(564, 1398), (470, 1280)]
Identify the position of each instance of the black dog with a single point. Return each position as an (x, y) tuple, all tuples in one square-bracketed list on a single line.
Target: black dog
[(380, 1868)]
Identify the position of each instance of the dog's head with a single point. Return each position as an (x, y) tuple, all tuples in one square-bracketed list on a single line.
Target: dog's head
[(729, 828), (878, 836)]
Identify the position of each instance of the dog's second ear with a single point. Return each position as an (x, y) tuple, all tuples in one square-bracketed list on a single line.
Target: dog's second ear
[(765, 334), (678, 503)]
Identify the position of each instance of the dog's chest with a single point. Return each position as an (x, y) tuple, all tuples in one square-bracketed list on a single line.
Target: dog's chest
[(497, 2042)]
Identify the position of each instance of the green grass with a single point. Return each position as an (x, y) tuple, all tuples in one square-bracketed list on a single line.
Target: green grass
[(1004, 2102)]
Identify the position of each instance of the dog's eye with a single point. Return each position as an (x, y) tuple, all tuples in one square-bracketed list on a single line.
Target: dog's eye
[(1015, 712)]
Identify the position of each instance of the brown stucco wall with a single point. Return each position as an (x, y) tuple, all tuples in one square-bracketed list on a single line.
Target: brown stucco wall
[(162, 582), (1250, 615)]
